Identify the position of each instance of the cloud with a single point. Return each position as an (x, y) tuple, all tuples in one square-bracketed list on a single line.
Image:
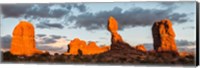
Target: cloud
[(56, 36), (5, 41), (133, 17), (181, 45), (55, 43), (47, 39), (185, 43), (180, 18), (167, 3), (81, 7), (40, 35), (49, 48), (40, 10), (14, 10), (189, 27), (46, 24)]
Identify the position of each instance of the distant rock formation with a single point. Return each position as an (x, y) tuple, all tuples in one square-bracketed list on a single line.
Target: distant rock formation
[(75, 45), (141, 48), (92, 48), (23, 42), (78, 45), (116, 39), (163, 36)]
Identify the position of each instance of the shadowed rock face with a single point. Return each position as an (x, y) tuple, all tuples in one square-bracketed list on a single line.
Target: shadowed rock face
[(163, 36), (23, 42), (116, 39), (78, 45)]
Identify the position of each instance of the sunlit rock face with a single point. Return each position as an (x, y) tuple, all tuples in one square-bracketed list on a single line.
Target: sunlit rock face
[(164, 36), (116, 39), (23, 42), (90, 49), (113, 27), (75, 45), (141, 48)]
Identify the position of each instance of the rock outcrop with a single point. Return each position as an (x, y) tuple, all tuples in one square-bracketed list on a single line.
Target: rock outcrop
[(75, 45), (141, 48), (92, 48), (23, 40), (117, 42), (78, 45), (164, 36)]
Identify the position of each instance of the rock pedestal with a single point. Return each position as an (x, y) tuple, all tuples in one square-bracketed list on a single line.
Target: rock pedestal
[(116, 39), (23, 40)]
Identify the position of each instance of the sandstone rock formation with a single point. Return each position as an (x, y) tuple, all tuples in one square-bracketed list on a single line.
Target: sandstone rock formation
[(163, 36), (116, 39), (141, 48), (75, 45), (78, 45), (23, 42), (92, 48)]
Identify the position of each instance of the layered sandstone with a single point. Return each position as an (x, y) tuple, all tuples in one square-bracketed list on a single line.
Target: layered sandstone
[(23, 42), (164, 36)]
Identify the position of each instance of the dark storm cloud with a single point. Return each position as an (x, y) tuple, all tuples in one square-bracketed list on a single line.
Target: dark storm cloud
[(46, 24), (14, 10), (136, 16), (40, 10), (5, 41)]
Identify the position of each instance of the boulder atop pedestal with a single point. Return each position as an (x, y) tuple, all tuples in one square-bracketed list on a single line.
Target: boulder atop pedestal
[(116, 40)]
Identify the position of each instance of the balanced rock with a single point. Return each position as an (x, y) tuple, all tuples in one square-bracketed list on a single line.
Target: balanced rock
[(23, 41), (163, 36), (116, 39), (141, 48)]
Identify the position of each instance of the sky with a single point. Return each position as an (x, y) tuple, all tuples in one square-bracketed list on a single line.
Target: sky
[(58, 23)]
